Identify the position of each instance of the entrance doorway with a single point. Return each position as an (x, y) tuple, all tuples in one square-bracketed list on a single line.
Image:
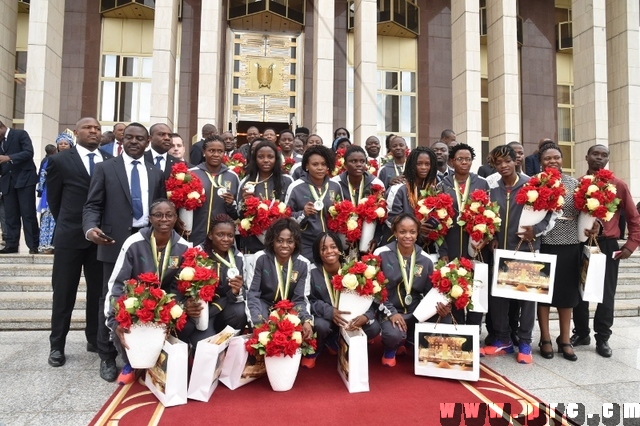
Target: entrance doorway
[(243, 126)]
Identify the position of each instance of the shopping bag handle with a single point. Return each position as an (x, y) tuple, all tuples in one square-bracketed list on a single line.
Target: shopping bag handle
[(530, 246), (594, 241), (455, 323)]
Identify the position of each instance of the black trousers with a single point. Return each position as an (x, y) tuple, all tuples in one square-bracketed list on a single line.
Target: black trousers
[(106, 349), (67, 266), (21, 204), (603, 319)]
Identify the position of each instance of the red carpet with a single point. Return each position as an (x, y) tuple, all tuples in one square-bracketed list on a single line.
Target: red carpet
[(319, 397)]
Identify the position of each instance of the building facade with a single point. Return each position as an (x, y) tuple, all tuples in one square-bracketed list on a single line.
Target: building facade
[(494, 71)]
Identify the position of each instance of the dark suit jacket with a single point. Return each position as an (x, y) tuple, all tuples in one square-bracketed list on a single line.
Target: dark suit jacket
[(108, 205), (196, 155), (20, 172), (171, 160), (532, 164), (486, 170), (67, 190)]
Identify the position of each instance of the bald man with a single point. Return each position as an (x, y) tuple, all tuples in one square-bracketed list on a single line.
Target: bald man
[(196, 155)]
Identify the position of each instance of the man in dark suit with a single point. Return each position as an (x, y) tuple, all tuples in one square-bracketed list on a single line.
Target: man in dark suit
[(115, 148), (68, 177), (18, 179), (121, 190), (161, 143), (196, 155)]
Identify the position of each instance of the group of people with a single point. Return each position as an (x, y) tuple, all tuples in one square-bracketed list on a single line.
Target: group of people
[(113, 220)]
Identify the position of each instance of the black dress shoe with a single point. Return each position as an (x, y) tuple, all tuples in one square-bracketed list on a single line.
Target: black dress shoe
[(91, 348), (571, 356), (56, 358), (604, 349), (33, 251), (108, 370), (577, 340), (8, 250), (543, 353)]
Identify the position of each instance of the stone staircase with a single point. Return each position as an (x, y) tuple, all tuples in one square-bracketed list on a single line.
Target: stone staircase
[(25, 292)]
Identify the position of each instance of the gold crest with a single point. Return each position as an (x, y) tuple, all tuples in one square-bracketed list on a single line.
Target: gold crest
[(418, 271), (174, 261), (294, 276), (265, 75)]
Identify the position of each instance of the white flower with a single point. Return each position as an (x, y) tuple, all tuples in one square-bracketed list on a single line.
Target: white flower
[(608, 216), (380, 212), (560, 200), (176, 311), (293, 318), (370, 272), (449, 222), (442, 213), (532, 196), (263, 206), (282, 207), (556, 183), (474, 206), (194, 194), (169, 194), (462, 272), (245, 224), (424, 210), (445, 270), (263, 338), (131, 303), (333, 211), (187, 274), (274, 316), (180, 176), (352, 224), (376, 287), (480, 227), (593, 204), (297, 337), (612, 188), (590, 177), (497, 220), (489, 213), (350, 281), (456, 291), (591, 189)]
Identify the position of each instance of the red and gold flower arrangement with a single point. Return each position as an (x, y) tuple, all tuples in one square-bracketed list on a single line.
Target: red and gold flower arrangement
[(235, 163), (454, 280), (197, 279), (343, 219), (373, 207), (543, 191), (145, 302), (184, 188), (373, 166), (480, 217), (281, 334), (259, 214), (440, 207), (595, 195), (287, 164), (363, 276), (339, 166)]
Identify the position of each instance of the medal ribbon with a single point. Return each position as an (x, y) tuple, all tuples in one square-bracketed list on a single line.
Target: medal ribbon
[(232, 260), (355, 196), (283, 289), (160, 269), (408, 282), (315, 195), (215, 183), (461, 198), (334, 295), (398, 172)]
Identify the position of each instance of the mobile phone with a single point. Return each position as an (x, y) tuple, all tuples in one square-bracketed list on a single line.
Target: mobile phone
[(105, 236), (615, 253), (433, 222)]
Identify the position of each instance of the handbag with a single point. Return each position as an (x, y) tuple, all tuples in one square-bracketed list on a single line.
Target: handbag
[(167, 380), (592, 269), (480, 290), (353, 360), (240, 368)]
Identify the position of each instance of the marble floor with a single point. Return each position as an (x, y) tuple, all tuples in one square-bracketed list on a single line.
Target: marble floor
[(33, 393)]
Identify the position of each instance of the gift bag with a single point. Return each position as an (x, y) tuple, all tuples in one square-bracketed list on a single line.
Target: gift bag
[(240, 368), (207, 364), (353, 360), (523, 275), (168, 378), (480, 294), (448, 351), (592, 271)]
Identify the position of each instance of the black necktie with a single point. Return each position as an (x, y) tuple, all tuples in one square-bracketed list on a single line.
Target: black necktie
[(2, 144), (92, 163), (136, 191)]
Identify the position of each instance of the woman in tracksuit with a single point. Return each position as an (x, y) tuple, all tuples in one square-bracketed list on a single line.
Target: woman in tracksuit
[(503, 159), (310, 196)]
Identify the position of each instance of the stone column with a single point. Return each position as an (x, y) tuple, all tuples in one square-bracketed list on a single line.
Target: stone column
[(365, 90), (503, 71), (590, 78), (323, 23), (44, 70), (210, 63), (623, 76), (466, 74), (163, 80), (8, 30)]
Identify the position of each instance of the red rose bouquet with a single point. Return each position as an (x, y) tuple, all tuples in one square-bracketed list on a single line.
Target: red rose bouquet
[(373, 166), (364, 277), (259, 214), (287, 164), (144, 302), (480, 217), (281, 334), (543, 191), (343, 219), (454, 280), (184, 188), (595, 195), (197, 279), (440, 207), (372, 209), (339, 166), (236, 163)]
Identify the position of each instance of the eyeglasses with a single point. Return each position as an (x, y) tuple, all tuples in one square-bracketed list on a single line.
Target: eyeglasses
[(463, 160), (168, 216)]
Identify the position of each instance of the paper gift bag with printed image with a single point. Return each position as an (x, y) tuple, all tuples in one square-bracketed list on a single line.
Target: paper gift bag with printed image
[(353, 360), (168, 378), (523, 275), (592, 269), (448, 351), (240, 368), (207, 364), (480, 294)]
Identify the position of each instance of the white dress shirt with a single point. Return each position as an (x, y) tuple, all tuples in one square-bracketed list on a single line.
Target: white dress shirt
[(84, 156), (115, 148), (163, 160), (144, 188)]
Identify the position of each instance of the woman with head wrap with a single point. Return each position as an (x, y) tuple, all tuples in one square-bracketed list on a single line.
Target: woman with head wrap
[(47, 223)]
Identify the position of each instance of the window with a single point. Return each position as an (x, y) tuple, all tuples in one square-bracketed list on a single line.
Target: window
[(20, 89), (397, 108), (125, 89), (566, 128), (484, 116)]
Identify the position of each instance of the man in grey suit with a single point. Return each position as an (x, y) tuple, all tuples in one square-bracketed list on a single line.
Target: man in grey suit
[(117, 206)]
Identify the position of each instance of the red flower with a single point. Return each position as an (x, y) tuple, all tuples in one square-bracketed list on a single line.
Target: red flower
[(156, 292), (178, 190), (207, 292), (149, 304), (286, 327), (549, 189), (149, 278), (145, 315), (287, 305)]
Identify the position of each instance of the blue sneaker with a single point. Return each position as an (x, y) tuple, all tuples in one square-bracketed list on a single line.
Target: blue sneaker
[(389, 357), (127, 375), (524, 353), (498, 348)]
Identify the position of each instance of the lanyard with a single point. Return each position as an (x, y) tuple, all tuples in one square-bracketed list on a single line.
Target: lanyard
[(216, 182), (398, 173), (283, 288), (315, 195), (461, 198), (232, 260), (266, 185), (160, 268), (355, 196), (408, 282), (333, 294)]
